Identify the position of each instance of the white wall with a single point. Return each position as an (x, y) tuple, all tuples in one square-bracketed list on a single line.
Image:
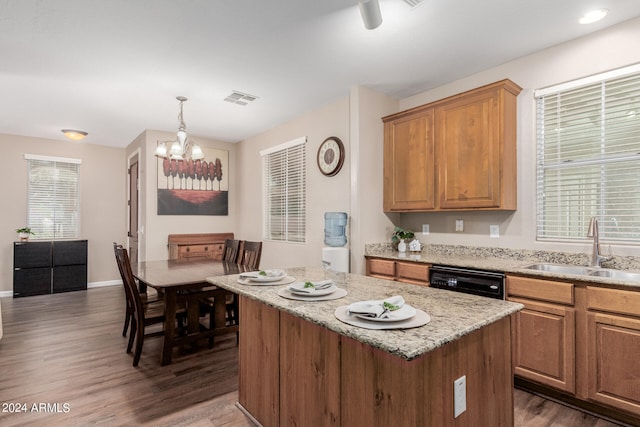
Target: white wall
[(609, 49), (324, 194)]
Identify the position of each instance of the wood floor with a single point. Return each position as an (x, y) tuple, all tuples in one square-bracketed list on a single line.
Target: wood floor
[(63, 363)]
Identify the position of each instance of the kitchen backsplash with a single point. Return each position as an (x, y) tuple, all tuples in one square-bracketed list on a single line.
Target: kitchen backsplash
[(573, 258)]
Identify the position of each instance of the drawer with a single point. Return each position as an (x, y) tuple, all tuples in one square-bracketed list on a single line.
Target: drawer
[(613, 300), (382, 267), (413, 271), (543, 290), (206, 250)]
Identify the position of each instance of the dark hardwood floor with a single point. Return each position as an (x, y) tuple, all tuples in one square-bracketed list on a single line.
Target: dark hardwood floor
[(63, 363)]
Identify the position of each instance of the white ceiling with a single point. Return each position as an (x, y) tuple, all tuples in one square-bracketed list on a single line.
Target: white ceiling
[(114, 67)]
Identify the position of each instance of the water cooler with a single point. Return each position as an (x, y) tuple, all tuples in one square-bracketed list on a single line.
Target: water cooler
[(335, 237)]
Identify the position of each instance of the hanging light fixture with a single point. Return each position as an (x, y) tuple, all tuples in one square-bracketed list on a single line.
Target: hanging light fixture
[(179, 149), (371, 15)]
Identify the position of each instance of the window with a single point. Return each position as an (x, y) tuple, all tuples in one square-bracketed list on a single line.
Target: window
[(588, 157), (284, 170), (53, 197)]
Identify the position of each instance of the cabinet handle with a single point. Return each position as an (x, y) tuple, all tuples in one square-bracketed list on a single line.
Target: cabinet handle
[(206, 248), (188, 248)]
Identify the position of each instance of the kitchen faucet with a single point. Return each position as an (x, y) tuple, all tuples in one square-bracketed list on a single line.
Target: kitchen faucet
[(596, 258)]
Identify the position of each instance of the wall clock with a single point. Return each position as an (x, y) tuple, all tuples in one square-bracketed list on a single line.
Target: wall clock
[(330, 156)]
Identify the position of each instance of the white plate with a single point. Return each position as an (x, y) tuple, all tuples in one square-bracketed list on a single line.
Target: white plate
[(403, 313), (255, 276), (294, 288)]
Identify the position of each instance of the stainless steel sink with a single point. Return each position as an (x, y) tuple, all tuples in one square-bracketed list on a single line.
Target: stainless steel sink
[(616, 274), (562, 269)]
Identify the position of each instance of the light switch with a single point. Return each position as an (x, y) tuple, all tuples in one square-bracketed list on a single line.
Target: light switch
[(494, 231), (425, 229)]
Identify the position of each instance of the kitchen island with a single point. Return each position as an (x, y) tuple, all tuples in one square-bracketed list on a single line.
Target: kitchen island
[(300, 365)]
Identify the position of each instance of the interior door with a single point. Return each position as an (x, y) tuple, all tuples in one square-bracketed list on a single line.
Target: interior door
[(133, 209)]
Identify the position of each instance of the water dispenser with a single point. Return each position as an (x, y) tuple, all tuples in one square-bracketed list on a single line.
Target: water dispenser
[(335, 224)]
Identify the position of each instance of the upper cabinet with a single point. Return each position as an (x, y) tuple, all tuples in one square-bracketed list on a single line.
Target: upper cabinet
[(458, 153)]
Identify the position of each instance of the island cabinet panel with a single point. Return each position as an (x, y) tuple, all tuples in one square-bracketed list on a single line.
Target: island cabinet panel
[(309, 374), (395, 392), (259, 353)]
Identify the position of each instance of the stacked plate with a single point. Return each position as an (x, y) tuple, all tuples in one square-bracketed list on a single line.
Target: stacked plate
[(265, 277), (320, 290), (392, 309), (389, 313)]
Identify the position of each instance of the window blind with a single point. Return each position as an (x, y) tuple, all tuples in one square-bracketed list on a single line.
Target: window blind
[(284, 179), (588, 158), (53, 197)]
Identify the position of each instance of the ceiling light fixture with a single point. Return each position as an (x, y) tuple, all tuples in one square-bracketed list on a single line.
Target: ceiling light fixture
[(593, 16), (370, 11), (76, 135), (179, 149)]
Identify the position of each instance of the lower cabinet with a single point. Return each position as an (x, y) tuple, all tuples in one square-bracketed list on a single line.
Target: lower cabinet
[(581, 340), (613, 347), (544, 333), (415, 273)]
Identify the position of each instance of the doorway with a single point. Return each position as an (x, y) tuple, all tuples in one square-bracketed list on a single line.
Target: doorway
[(134, 185)]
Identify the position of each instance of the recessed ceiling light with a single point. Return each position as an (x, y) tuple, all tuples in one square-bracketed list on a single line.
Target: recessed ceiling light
[(593, 16)]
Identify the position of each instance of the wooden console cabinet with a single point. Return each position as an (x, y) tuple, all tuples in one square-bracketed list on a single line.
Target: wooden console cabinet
[(458, 153), (203, 245)]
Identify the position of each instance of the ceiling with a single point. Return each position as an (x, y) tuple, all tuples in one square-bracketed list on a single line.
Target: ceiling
[(113, 68)]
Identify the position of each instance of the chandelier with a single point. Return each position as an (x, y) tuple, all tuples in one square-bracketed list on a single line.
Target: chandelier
[(182, 148)]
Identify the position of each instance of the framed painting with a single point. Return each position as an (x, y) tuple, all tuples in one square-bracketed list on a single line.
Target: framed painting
[(194, 187)]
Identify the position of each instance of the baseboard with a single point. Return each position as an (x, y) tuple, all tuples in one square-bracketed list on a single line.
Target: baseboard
[(104, 283)]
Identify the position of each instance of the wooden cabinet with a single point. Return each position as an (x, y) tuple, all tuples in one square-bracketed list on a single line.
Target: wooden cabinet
[(204, 245), (458, 153), (409, 172), (415, 273), (613, 346), (544, 332)]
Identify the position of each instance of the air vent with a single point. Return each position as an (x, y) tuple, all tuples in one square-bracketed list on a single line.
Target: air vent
[(240, 98), (413, 3)]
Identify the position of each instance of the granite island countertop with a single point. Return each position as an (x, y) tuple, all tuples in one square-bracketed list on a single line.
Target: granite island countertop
[(508, 261), (452, 314)]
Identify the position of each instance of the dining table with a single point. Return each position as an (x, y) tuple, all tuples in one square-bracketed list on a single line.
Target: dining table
[(185, 281)]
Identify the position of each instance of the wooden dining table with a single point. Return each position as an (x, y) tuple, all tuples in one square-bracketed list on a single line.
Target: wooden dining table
[(186, 280)]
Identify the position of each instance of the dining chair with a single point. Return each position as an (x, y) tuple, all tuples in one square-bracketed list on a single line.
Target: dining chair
[(142, 315), (231, 250), (251, 253), (146, 297)]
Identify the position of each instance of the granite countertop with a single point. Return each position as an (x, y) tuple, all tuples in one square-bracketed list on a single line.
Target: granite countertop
[(507, 261), (452, 314)]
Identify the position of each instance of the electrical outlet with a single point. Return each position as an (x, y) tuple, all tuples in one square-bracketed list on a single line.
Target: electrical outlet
[(459, 396), (494, 231), (459, 225), (425, 229)]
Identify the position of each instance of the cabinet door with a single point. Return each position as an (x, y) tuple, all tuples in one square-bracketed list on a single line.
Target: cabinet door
[(412, 272), (69, 278), (544, 344), (409, 169), (381, 268), (31, 281), (70, 253), (469, 144), (614, 366)]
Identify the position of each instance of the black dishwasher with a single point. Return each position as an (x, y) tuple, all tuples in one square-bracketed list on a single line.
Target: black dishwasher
[(477, 282)]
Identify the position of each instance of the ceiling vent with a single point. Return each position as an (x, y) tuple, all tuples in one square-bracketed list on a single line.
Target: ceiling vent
[(413, 3), (240, 98)]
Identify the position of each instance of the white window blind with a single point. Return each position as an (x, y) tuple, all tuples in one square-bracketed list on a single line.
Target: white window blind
[(588, 158), (53, 197), (284, 170)]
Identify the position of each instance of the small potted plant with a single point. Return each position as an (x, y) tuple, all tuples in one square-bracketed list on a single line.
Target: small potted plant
[(24, 233), (398, 238)]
